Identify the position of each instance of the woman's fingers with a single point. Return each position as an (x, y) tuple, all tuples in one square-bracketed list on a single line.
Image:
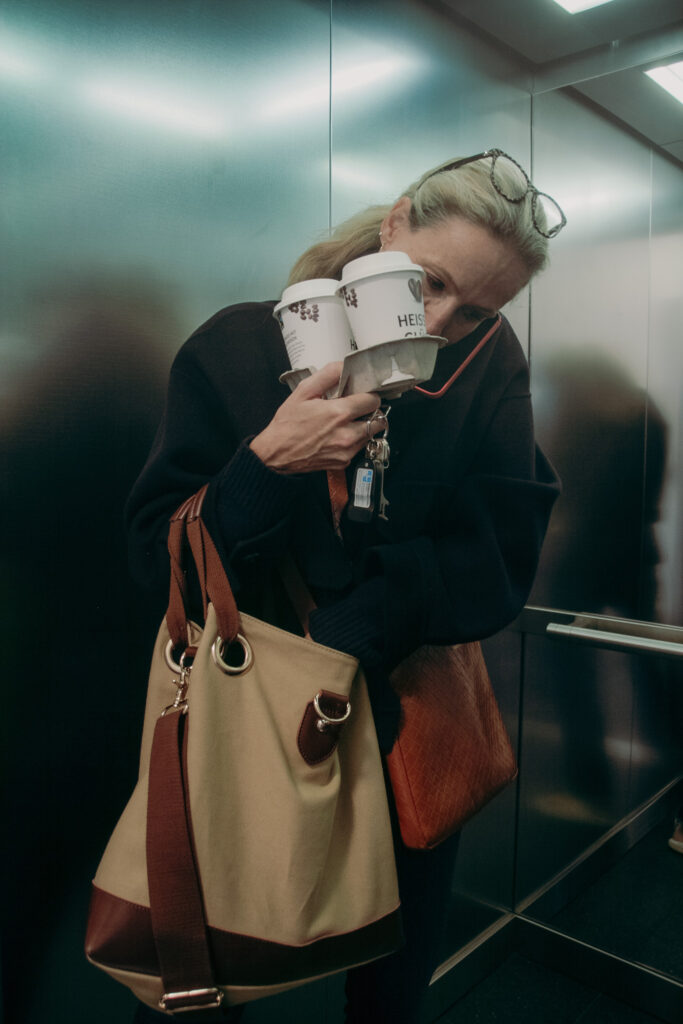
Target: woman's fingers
[(319, 383), (363, 404), (322, 381), (309, 432)]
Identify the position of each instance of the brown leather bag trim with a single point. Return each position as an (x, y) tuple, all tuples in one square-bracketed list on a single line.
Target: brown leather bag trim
[(177, 914), (316, 746), (120, 932)]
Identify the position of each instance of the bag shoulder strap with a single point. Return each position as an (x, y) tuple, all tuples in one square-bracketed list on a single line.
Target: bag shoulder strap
[(176, 615), (213, 580), (175, 897), (176, 906), (214, 583)]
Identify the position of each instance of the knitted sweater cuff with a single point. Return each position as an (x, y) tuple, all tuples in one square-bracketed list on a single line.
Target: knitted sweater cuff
[(250, 497), (355, 624)]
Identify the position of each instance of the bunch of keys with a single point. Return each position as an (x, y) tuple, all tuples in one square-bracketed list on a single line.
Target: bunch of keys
[(367, 493)]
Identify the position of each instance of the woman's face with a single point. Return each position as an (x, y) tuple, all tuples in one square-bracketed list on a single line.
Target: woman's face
[(469, 273)]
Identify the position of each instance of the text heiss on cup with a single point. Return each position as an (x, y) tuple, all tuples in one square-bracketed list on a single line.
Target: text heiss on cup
[(383, 297), (314, 324)]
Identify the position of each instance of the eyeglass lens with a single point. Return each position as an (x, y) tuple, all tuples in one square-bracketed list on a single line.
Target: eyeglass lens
[(508, 178), (512, 182), (548, 216)]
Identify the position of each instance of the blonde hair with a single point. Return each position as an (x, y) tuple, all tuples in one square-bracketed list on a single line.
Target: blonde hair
[(463, 192)]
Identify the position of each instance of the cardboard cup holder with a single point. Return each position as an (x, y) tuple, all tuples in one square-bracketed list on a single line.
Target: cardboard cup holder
[(389, 369)]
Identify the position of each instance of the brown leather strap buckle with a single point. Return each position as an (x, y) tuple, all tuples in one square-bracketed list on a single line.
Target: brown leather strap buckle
[(194, 999)]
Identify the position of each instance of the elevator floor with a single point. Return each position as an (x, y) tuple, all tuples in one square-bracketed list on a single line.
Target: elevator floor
[(634, 909), (523, 992)]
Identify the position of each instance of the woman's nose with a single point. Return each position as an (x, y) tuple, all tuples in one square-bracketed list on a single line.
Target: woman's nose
[(438, 314)]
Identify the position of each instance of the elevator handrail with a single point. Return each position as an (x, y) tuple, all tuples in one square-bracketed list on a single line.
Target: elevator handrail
[(617, 641), (607, 631)]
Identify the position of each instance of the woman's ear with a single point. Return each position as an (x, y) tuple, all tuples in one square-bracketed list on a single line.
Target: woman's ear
[(397, 219)]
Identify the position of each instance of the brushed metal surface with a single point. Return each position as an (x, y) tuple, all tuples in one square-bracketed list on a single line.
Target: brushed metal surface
[(173, 157), (162, 161), (664, 450), (159, 161), (589, 342), (601, 728)]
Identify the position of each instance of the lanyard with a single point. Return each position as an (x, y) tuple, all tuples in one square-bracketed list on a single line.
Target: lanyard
[(336, 479), (465, 363)]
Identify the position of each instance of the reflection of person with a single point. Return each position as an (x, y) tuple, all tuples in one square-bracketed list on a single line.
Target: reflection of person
[(600, 557), (676, 840), (469, 492), (80, 404)]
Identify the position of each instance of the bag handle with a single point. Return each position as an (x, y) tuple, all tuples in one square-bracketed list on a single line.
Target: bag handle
[(176, 614), (186, 525), (213, 580), (214, 583)]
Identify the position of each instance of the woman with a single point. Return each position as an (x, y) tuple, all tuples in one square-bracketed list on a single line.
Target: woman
[(469, 492)]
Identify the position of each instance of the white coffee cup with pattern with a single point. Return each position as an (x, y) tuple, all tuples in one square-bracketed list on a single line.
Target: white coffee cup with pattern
[(314, 324), (383, 297)]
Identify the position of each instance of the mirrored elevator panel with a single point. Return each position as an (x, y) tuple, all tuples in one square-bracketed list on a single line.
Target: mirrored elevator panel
[(600, 724), (601, 755), (159, 161), (664, 465), (589, 358), (171, 157), (601, 737)]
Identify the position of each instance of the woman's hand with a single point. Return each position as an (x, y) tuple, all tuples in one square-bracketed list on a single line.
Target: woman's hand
[(310, 432)]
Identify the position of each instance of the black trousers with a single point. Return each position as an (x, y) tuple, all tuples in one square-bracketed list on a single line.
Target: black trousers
[(391, 990)]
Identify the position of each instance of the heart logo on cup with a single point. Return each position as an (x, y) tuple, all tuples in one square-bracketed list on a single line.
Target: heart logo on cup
[(415, 286)]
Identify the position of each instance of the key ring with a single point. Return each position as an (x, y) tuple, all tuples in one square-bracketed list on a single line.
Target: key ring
[(367, 492), (371, 447), (377, 415)]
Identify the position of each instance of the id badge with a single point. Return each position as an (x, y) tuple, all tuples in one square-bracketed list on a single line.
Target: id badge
[(361, 507)]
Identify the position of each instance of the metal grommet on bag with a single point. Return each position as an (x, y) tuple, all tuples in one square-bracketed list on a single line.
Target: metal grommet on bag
[(232, 670), (184, 663), (168, 658), (324, 721)]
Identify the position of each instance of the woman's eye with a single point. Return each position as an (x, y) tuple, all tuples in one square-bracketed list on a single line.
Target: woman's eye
[(435, 284)]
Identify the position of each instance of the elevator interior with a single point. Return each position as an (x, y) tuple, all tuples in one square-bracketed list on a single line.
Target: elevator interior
[(161, 162)]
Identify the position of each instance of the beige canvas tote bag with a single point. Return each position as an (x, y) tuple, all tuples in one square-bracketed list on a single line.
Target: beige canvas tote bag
[(255, 853)]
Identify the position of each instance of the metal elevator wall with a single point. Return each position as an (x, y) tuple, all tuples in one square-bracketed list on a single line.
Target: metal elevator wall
[(162, 161)]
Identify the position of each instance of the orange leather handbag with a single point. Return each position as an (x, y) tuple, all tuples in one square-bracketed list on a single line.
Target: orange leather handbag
[(452, 754)]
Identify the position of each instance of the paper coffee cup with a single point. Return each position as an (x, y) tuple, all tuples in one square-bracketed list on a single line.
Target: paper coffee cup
[(314, 324), (383, 298)]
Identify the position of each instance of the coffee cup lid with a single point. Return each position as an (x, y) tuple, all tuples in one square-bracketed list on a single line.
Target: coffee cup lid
[(316, 288), (378, 263)]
